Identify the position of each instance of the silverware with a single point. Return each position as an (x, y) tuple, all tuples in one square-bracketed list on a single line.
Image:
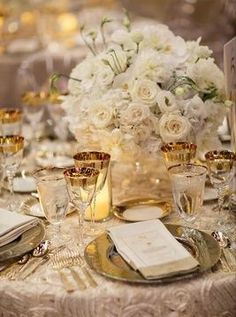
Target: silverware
[(59, 263), (227, 259)]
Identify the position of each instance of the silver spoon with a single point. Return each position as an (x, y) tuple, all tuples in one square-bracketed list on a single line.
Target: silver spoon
[(39, 251), (224, 243)]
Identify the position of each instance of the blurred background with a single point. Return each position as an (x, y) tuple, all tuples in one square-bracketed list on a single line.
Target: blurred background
[(39, 37)]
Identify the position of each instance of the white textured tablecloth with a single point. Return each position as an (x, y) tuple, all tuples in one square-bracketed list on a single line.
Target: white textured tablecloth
[(212, 294)]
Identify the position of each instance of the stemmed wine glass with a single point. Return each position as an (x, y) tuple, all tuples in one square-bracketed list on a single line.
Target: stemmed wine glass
[(10, 121), (11, 152), (188, 183), (100, 206), (34, 106), (220, 165), (54, 200), (81, 184)]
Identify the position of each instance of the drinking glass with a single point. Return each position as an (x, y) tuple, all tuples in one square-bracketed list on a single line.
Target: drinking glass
[(101, 204), (220, 165), (11, 152), (81, 184), (10, 121), (188, 183), (178, 153), (54, 200), (34, 105)]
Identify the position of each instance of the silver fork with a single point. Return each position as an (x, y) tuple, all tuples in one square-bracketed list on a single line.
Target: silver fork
[(77, 259), (59, 263)]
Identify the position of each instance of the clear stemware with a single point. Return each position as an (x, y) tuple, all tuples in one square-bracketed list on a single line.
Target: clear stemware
[(81, 184), (101, 162), (11, 152), (178, 153), (34, 107), (221, 171), (54, 200), (10, 121), (188, 183)]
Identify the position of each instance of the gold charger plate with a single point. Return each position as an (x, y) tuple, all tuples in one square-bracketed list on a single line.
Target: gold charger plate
[(102, 257), (31, 206), (25, 243), (142, 209)]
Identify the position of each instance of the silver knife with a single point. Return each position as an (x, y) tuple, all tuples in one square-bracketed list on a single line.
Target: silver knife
[(33, 267)]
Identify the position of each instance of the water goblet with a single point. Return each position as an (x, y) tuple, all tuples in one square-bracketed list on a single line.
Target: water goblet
[(54, 200), (101, 204), (81, 184), (188, 183), (178, 153), (34, 105), (11, 153), (10, 121), (220, 165)]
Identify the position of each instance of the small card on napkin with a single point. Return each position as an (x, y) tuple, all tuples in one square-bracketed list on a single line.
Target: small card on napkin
[(13, 225), (150, 248)]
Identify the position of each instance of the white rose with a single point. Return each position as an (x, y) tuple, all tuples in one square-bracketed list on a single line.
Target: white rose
[(134, 114), (152, 65), (166, 101), (104, 76), (194, 109), (206, 74), (101, 114), (174, 127), (145, 91)]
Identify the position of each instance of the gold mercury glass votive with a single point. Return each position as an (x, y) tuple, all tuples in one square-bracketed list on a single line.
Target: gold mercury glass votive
[(10, 121), (178, 153), (102, 201)]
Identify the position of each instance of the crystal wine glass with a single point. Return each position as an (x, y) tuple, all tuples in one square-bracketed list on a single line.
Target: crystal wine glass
[(220, 165), (54, 200), (188, 183), (99, 209), (81, 184), (178, 153), (10, 121), (11, 152), (34, 110)]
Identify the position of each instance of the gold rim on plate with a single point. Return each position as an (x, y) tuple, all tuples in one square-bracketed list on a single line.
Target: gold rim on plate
[(102, 257), (127, 210)]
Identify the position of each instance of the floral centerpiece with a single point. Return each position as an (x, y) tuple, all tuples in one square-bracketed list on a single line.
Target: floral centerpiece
[(144, 87)]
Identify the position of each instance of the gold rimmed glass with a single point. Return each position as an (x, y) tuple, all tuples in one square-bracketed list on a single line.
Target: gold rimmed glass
[(100, 209), (178, 153), (11, 152), (188, 183), (221, 171), (54, 200), (81, 184), (10, 121)]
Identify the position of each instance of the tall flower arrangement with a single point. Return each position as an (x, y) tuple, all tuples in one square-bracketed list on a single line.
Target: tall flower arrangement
[(144, 87)]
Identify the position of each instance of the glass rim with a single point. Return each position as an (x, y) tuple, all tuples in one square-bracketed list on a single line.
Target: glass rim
[(34, 173), (192, 165), (221, 154), (92, 156), (74, 172), (176, 146), (10, 115)]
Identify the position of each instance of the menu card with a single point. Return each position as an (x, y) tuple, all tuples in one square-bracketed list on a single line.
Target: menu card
[(151, 249), (13, 225)]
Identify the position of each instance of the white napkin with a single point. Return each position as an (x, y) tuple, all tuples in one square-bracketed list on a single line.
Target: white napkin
[(150, 248), (13, 225)]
